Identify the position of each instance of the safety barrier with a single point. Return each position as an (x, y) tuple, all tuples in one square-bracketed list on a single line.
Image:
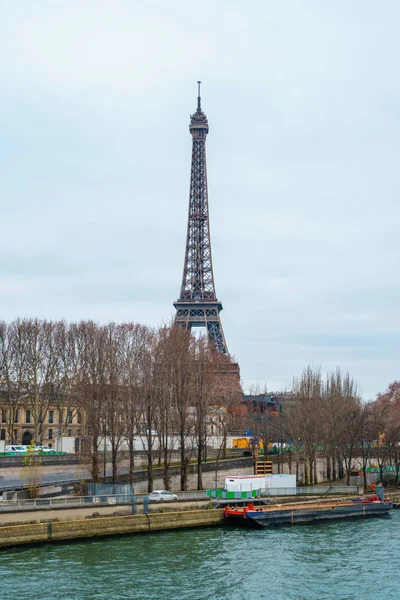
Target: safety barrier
[(51, 503), (312, 490)]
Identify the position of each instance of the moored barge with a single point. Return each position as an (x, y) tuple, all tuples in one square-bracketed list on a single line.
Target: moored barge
[(291, 514)]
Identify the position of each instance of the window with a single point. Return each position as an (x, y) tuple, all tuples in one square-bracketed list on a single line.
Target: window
[(16, 416), (40, 417), (50, 434), (3, 434), (51, 416), (69, 432), (3, 416), (15, 436), (79, 417), (60, 416), (28, 416), (69, 416)]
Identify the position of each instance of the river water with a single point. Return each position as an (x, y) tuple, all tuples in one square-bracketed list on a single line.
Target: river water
[(347, 560)]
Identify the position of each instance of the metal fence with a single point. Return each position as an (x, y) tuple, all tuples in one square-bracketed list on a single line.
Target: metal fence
[(116, 499), (319, 490), (4, 487), (51, 503), (46, 459), (192, 495), (104, 490)]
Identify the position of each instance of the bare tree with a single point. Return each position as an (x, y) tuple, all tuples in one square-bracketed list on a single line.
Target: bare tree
[(346, 416), (91, 386), (13, 358), (308, 394), (203, 379), (182, 381), (115, 391), (132, 381), (147, 360), (42, 370)]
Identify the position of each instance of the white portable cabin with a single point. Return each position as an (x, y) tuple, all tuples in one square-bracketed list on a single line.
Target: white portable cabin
[(281, 482), (245, 483), (272, 483), (65, 444)]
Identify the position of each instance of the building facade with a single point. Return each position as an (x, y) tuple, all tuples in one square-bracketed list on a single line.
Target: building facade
[(18, 426)]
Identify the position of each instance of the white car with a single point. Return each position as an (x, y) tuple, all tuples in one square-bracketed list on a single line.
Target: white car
[(47, 449), (43, 450), (15, 449), (162, 496)]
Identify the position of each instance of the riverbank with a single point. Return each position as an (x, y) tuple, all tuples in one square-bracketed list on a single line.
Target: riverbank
[(54, 525), (51, 531)]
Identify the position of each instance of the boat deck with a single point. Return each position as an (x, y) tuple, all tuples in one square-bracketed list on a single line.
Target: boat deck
[(289, 514)]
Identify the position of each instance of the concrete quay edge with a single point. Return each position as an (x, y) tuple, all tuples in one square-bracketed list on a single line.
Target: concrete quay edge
[(16, 535)]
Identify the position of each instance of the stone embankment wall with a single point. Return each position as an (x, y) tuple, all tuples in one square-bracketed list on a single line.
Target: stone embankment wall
[(74, 470), (211, 479), (320, 470), (286, 467), (88, 528)]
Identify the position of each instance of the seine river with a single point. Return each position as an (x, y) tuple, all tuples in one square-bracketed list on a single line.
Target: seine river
[(337, 561)]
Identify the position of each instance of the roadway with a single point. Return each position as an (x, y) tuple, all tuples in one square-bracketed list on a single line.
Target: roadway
[(16, 482)]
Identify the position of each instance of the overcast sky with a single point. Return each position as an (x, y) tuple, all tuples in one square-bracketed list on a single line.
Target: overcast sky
[(302, 99)]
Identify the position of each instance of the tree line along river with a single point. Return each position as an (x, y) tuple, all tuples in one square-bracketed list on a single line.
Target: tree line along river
[(347, 560)]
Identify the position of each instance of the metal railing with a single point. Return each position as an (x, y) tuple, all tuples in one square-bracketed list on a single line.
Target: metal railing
[(51, 503), (312, 490), (81, 501), (46, 459), (192, 495), (56, 482)]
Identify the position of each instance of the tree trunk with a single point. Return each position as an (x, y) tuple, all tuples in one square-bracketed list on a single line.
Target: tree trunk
[(224, 445), (131, 459), (199, 467), (166, 475), (340, 467), (328, 468), (216, 467), (333, 465), (183, 462), (306, 476), (95, 461), (114, 464), (149, 471)]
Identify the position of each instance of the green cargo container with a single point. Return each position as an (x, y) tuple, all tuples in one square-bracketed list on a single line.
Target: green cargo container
[(220, 493)]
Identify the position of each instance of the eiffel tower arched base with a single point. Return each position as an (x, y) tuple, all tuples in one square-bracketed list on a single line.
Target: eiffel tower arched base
[(206, 315)]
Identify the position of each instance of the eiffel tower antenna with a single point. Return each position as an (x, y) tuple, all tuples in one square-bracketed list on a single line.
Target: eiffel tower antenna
[(198, 305), (198, 97)]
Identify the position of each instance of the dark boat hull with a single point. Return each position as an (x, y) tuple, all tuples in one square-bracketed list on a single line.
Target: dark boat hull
[(309, 515), (306, 513)]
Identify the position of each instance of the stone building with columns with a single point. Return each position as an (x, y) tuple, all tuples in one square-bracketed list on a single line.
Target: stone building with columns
[(20, 423)]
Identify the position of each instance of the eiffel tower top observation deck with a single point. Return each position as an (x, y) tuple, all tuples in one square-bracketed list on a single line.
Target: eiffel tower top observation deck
[(197, 305)]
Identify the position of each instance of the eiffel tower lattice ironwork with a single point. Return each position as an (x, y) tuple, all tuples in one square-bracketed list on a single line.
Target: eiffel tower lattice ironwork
[(197, 305)]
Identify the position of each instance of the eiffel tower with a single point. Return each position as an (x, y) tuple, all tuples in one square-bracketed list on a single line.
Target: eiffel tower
[(197, 305)]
